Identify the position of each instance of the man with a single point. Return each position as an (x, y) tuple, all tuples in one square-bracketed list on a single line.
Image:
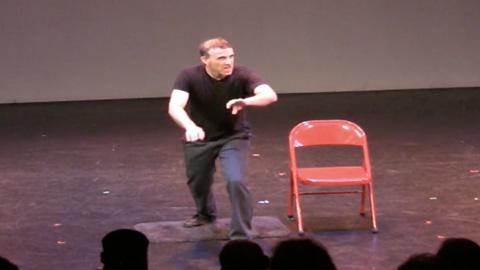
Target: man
[(207, 101)]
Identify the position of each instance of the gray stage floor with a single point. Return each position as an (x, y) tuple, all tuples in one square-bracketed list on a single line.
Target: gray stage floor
[(71, 172)]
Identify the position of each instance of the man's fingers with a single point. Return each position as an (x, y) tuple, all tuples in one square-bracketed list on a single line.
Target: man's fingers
[(234, 102), (236, 105), (231, 102), (194, 135), (236, 109), (189, 137), (201, 135)]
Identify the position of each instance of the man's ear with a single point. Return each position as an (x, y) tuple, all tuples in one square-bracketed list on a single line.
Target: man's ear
[(204, 59)]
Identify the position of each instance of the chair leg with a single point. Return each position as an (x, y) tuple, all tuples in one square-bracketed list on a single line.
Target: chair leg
[(296, 199), (362, 201), (372, 208), (299, 214), (290, 216), (290, 200)]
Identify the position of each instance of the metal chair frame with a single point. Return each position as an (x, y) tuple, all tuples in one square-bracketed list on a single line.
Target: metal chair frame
[(329, 133)]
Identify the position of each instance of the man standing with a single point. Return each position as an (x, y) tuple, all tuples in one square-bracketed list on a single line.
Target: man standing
[(207, 101)]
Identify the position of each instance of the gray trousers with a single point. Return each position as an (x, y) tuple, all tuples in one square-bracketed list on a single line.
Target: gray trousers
[(232, 152)]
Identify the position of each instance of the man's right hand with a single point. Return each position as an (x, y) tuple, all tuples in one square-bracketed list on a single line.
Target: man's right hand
[(194, 133)]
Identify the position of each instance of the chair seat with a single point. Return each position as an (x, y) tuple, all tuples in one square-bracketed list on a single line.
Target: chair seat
[(335, 176)]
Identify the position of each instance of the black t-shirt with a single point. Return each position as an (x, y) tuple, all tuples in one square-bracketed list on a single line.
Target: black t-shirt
[(208, 98)]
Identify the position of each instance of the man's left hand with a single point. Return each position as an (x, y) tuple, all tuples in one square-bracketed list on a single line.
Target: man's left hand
[(236, 105)]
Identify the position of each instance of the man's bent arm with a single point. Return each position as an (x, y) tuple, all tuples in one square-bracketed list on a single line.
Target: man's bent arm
[(263, 96), (176, 109)]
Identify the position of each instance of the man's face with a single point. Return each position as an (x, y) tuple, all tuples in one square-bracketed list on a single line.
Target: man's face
[(219, 62)]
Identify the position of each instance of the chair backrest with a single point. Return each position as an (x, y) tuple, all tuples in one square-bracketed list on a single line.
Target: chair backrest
[(327, 132)]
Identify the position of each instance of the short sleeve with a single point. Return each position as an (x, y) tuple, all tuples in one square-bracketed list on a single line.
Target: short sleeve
[(182, 81), (252, 80)]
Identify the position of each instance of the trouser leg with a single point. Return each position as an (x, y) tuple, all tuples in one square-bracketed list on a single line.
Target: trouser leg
[(200, 167), (233, 159)]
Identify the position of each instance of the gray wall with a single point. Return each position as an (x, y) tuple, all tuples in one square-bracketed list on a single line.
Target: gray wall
[(55, 50)]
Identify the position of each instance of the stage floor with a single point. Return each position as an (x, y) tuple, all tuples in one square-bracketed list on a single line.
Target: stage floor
[(72, 171)]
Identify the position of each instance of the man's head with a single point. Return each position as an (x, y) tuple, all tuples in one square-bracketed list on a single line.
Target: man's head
[(242, 254), (124, 249), (218, 56)]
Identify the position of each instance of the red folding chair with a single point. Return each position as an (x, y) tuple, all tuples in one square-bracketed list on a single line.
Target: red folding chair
[(329, 133)]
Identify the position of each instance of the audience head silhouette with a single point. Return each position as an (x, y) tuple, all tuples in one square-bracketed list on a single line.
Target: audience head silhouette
[(458, 253), (125, 249), (7, 265), (242, 254), (425, 261), (302, 253)]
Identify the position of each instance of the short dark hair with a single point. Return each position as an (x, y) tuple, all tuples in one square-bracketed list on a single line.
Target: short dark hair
[(242, 254), (209, 44), (458, 253), (423, 261), (301, 253), (125, 249)]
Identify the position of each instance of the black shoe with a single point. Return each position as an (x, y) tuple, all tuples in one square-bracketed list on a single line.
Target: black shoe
[(196, 221)]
